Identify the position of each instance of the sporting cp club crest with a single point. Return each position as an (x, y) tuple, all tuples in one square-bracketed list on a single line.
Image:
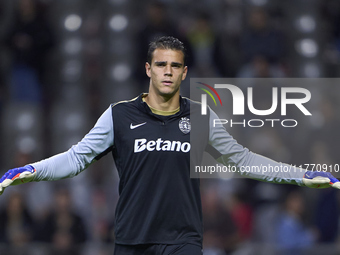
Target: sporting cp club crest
[(184, 125)]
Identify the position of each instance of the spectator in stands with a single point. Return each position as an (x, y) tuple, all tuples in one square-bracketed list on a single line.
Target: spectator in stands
[(242, 215), (102, 231), (29, 39), (260, 39), (202, 39), (63, 227), (260, 67), (327, 213), (293, 236), (17, 227), (330, 14), (220, 234)]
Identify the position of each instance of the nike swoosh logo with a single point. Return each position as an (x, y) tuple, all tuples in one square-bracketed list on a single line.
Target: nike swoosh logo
[(136, 126)]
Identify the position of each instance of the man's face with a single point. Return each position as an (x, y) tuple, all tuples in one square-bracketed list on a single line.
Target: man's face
[(166, 72)]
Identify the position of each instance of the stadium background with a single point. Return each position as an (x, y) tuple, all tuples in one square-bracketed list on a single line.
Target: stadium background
[(63, 62)]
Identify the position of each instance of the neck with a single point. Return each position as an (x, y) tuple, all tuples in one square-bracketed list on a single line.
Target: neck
[(163, 103)]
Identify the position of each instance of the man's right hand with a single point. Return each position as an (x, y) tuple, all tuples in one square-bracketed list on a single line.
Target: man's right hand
[(17, 176)]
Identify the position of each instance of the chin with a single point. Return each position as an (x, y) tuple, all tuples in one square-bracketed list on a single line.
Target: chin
[(168, 93), (164, 94)]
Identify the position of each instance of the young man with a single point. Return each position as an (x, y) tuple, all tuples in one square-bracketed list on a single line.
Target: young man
[(159, 209)]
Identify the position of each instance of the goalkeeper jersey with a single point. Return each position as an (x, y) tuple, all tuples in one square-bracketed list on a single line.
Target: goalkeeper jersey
[(159, 202)]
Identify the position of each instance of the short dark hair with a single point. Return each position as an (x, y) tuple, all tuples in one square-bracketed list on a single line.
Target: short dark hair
[(165, 43)]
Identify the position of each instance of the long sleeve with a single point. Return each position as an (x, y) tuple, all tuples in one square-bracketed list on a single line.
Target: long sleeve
[(70, 163), (250, 164)]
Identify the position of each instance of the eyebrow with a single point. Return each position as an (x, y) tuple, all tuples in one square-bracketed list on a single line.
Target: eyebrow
[(172, 63)]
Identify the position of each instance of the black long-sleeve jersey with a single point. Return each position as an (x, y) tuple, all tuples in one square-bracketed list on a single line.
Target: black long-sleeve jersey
[(159, 202)]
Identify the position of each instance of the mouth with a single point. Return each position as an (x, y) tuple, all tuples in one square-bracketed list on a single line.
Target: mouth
[(167, 83)]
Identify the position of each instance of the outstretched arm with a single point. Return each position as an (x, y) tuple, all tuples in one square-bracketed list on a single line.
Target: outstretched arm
[(261, 168), (70, 163)]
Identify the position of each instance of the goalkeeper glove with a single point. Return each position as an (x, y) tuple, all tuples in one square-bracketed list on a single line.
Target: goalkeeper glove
[(17, 176), (320, 180)]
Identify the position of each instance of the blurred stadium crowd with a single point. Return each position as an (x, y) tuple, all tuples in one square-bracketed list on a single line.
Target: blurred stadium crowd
[(63, 62)]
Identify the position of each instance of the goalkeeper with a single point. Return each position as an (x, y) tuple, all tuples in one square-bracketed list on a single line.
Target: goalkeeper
[(159, 208)]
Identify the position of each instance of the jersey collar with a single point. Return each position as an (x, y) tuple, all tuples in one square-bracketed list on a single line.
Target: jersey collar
[(143, 106)]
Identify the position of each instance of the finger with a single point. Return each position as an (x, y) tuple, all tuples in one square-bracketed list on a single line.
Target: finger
[(320, 180), (21, 178), (336, 185), (6, 183), (13, 174), (4, 177), (317, 183)]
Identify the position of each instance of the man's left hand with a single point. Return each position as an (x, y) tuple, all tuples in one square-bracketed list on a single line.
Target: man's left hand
[(320, 180)]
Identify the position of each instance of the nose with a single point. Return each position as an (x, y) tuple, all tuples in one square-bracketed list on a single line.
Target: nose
[(168, 70)]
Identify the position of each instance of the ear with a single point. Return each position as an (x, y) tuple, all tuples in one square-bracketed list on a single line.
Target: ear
[(185, 71), (148, 69)]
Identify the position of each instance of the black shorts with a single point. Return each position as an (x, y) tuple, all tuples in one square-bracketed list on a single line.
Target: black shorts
[(158, 249)]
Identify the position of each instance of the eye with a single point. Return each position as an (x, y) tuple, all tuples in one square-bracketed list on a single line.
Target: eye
[(176, 65), (160, 64)]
